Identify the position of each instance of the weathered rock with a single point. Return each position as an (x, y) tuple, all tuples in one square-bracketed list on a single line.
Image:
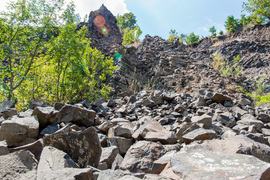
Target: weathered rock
[(19, 131), (118, 175), (153, 131), (123, 144), (37, 103), (205, 119), (218, 98), (122, 130), (3, 148), (196, 162), (58, 105), (108, 155), (82, 146), (238, 112), (69, 173), (9, 112), (117, 162), (50, 129), (44, 115), (53, 159), (159, 165), (141, 155), (6, 104), (199, 134), (248, 119), (76, 115), (56, 164), (26, 113), (18, 165), (264, 118), (35, 148), (226, 119), (239, 144)]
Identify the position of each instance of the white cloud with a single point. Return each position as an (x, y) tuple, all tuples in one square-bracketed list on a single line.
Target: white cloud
[(84, 7)]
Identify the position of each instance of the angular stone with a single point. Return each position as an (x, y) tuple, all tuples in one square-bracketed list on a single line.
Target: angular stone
[(82, 146), (105, 126), (249, 120), (238, 112), (37, 103), (118, 120), (264, 118), (165, 137), (9, 112), (205, 119), (6, 104), (19, 131), (108, 155), (3, 148), (226, 119), (244, 102), (199, 134), (196, 162), (219, 98), (53, 159), (18, 165), (159, 165), (141, 155), (35, 148), (76, 115), (123, 144), (50, 129), (44, 114), (179, 108), (266, 132), (117, 162), (58, 105), (122, 130), (69, 173), (27, 113), (239, 144)]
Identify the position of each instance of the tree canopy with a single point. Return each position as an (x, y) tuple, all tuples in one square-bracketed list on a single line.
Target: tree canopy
[(43, 56)]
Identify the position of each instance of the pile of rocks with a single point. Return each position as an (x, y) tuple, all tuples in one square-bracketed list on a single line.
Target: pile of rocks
[(148, 135)]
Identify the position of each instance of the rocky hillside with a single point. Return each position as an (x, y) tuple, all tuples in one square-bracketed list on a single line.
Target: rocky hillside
[(190, 123)]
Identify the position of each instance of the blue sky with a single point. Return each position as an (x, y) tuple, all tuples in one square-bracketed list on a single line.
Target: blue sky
[(157, 17)]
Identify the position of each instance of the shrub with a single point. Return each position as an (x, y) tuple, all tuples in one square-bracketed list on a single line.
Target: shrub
[(192, 39), (213, 31)]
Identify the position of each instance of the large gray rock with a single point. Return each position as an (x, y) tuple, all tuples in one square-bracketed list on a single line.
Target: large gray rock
[(122, 143), (53, 159), (35, 148), (3, 148), (153, 131), (76, 115), (249, 120), (6, 104), (82, 146), (9, 112), (37, 103), (69, 174), (195, 162), (205, 119), (18, 165), (19, 131), (199, 134), (141, 155), (239, 144), (45, 115), (108, 155)]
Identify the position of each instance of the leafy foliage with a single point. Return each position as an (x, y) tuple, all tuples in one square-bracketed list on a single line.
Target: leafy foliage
[(174, 36), (225, 68), (42, 56), (221, 32), (213, 31), (232, 24), (192, 39), (260, 8), (127, 24)]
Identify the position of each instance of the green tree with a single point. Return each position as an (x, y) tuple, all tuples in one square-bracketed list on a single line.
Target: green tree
[(232, 24), (213, 31), (221, 32), (192, 39), (182, 38), (42, 55), (173, 35), (260, 8), (128, 26), (22, 33)]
